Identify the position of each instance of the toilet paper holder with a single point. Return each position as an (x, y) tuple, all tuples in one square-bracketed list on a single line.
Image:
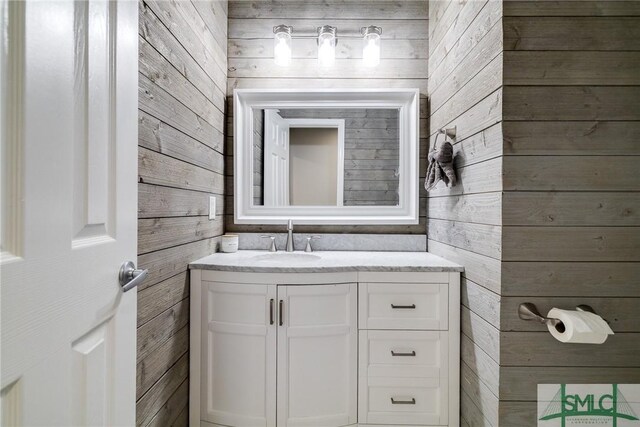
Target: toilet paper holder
[(529, 311)]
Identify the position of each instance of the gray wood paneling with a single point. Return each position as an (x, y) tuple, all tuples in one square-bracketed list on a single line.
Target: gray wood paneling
[(472, 208), (484, 177), (571, 8), (482, 301), (522, 349), (577, 138), (346, 49), (456, 19), (484, 270), (482, 239), (154, 32), (572, 103), (557, 244), (620, 313), (400, 28), (159, 394), (376, 9), (540, 33), (180, 19), (155, 201), (571, 208), (155, 168), (520, 383), (152, 367), (576, 68), (404, 64), (159, 233), (171, 413), (477, 118), (464, 41), (470, 94), (182, 96), (482, 333), (571, 108), (471, 414), (480, 363), (547, 214), (465, 222), (571, 278), (293, 83), (478, 392), (159, 137)]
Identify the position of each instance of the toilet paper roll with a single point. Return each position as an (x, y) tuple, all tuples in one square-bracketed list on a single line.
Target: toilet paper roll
[(578, 327)]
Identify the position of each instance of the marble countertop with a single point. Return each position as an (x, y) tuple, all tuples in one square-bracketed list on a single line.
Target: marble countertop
[(323, 262)]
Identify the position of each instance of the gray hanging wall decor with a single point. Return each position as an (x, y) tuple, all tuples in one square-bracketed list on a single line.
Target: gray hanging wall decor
[(440, 160)]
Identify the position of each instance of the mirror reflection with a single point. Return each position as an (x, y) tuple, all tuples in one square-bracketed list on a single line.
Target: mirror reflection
[(326, 157)]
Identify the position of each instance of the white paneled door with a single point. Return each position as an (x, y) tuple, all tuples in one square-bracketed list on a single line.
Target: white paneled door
[(69, 204), (276, 159)]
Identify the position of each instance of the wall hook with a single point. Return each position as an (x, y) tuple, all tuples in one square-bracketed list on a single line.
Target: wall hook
[(448, 132)]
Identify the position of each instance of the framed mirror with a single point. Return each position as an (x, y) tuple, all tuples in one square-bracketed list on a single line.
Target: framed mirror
[(326, 156)]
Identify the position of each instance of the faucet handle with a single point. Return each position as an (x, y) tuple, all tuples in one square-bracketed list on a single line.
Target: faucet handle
[(308, 248), (290, 225), (272, 248)]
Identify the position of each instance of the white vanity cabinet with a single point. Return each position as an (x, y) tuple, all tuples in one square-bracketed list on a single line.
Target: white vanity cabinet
[(324, 349), (267, 352), (405, 348)]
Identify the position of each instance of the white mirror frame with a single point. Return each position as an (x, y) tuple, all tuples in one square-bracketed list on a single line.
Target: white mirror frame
[(406, 100)]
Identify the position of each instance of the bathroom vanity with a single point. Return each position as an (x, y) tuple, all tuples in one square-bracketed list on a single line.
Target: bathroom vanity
[(324, 339)]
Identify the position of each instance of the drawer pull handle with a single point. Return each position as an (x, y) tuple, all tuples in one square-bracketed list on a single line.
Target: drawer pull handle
[(409, 307), (281, 312), (394, 353), (403, 402)]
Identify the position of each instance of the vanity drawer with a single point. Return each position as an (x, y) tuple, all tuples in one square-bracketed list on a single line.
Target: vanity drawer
[(403, 306), (404, 401), (403, 354)]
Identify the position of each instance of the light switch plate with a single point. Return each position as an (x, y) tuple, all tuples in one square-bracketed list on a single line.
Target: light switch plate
[(212, 207)]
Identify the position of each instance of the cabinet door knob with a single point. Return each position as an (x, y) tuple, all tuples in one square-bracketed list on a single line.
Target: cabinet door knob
[(409, 307), (399, 353), (403, 402)]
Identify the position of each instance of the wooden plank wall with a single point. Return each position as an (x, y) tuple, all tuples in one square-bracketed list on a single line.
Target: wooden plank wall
[(371, 153), (464, 222), (571, 206), (182, 89), (404, 64)]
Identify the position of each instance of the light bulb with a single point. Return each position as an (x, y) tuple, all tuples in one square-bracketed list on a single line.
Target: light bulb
[(282, 45), (371, 46), (371, 54), (326, 46)]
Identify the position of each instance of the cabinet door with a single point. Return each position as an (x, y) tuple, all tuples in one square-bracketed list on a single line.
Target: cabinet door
[(317, 355), (238, 372)]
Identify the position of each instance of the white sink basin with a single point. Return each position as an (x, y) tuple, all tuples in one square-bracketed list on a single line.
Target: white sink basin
[(286, 257)]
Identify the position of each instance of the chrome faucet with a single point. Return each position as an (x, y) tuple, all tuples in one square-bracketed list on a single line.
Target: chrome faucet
[(290, 236)]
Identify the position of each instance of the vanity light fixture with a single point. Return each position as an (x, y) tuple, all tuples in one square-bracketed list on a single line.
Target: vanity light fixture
[(282, 44), (327, 38), (327, 45), (371, 45)]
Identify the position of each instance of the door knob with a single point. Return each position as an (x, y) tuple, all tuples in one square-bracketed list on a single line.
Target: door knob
[(129, 276)]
